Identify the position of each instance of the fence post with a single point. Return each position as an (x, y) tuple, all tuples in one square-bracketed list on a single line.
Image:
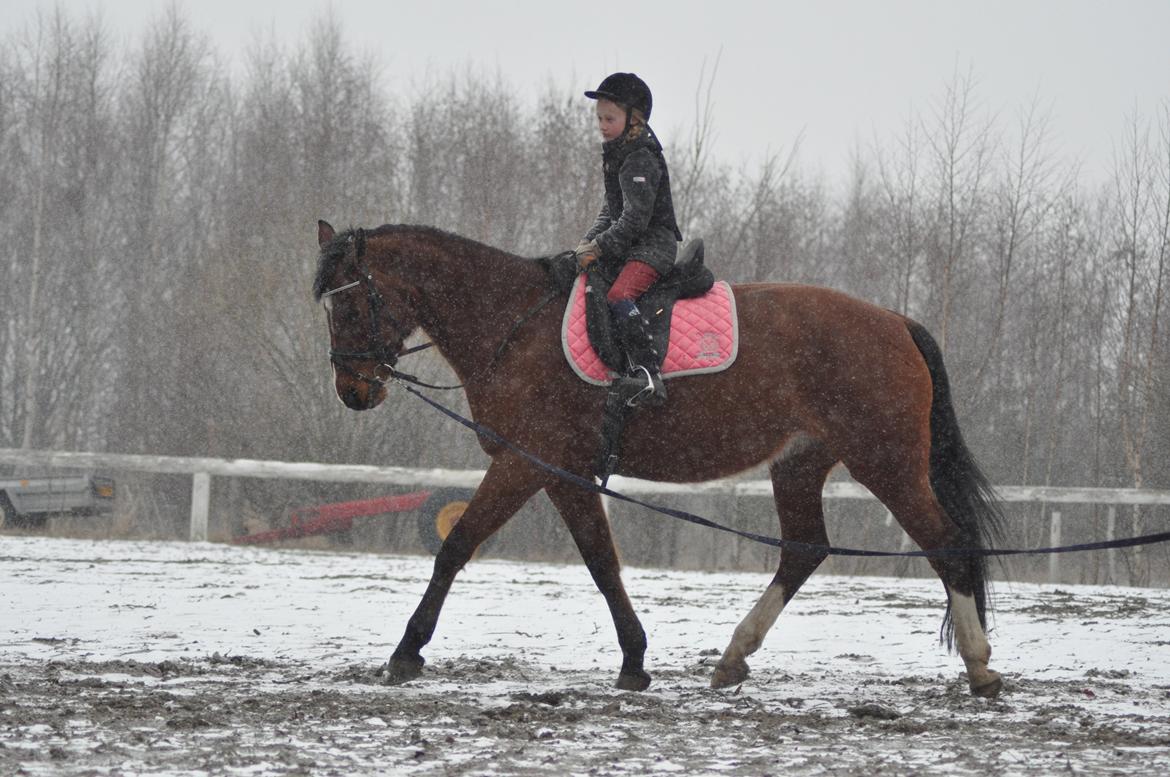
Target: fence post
[(1136, 567), (1110, 533), (1054, 542), (200, 502)]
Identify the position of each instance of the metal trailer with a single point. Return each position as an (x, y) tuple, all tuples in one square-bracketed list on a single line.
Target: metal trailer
[(29, 502)]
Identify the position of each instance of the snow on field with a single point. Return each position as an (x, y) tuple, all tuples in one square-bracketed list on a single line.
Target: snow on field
[(173, 658)]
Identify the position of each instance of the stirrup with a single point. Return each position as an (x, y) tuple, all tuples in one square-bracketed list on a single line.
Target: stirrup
[(649, 393)]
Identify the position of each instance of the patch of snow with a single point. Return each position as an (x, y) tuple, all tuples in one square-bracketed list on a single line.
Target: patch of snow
[(520, 668)]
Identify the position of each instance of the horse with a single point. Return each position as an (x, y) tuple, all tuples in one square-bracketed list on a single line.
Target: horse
[(821, 379)]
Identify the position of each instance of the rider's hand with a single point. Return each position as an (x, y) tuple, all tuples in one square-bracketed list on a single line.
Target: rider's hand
[(587, 254)]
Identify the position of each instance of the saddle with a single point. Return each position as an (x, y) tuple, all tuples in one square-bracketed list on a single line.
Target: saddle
[(706, 339), (688, 278)]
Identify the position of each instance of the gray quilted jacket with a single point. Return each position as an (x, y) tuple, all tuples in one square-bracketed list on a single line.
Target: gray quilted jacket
[(637, 220)]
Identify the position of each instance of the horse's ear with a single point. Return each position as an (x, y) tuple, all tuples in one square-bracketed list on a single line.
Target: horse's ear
[(324, 233)]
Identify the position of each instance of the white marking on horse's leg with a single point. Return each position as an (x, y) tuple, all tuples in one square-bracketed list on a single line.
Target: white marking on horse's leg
[(748, 637), (750, 633), (973, 645)]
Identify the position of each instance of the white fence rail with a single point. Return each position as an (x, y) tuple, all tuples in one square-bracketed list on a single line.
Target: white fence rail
[(202, 470)]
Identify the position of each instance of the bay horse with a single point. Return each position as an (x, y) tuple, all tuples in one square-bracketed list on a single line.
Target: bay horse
[(821, 379)]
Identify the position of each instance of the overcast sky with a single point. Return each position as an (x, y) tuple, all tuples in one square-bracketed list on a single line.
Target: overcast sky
[(839, 71)]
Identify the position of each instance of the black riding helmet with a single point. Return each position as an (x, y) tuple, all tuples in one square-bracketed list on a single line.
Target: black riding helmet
[(627, 89)]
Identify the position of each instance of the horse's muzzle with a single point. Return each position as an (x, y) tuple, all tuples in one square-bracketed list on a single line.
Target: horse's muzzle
[(359, 395)]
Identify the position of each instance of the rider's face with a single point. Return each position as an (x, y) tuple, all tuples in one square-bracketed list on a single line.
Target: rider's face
[(611, 119)]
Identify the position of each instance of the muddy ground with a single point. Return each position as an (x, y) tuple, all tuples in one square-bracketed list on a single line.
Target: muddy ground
[(165, 658)]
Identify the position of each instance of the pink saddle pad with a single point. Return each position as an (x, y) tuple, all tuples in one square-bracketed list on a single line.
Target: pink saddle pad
[(704, 336)]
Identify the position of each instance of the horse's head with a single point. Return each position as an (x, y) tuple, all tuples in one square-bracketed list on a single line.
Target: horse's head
[(369, 315)]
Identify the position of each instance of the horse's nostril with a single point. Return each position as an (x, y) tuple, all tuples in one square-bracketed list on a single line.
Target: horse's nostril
[(350, 397)]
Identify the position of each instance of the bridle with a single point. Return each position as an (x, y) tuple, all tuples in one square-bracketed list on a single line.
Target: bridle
[(381, 352), (385, 355)]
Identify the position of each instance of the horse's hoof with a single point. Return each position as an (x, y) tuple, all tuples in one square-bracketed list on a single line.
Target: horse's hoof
[(633, 681), (728, 674), (989, 688), (401, 670)]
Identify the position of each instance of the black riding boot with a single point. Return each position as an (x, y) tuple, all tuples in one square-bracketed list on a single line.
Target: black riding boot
[(643, 380), (641, 386)]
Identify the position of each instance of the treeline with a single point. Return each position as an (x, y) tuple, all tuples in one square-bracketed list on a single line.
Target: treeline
[(158, 212)]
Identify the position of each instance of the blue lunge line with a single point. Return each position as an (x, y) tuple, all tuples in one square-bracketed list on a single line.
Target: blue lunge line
[(803, 547)]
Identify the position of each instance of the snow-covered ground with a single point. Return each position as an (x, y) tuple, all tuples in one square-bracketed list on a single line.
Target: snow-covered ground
[(172, 658)]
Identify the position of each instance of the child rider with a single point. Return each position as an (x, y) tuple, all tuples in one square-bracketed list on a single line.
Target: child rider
[(635, 238)]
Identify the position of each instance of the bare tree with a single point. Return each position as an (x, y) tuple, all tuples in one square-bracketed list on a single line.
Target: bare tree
[(1141, 213), (692, 176), (900, 177), (55, 122), (169, 79), (961, 146), (859, 268), (313, 137), (565, 181), (1140, 259), (1024, 196)]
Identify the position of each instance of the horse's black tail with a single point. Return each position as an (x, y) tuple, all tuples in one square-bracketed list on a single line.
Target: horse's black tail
[(960, 487)]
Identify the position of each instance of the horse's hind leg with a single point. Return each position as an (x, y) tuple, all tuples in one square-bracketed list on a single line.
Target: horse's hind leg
[(919, 513), (908, 495), (798, 477), (507, 485), (585, 517)]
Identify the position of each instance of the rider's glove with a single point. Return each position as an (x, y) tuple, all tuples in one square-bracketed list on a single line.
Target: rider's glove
[(587, 254)]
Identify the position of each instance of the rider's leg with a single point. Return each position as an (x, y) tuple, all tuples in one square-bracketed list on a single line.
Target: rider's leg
[(632, 329), (632, 282)]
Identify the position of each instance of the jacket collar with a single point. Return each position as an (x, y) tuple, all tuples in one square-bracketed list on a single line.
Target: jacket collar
[(623, 145)]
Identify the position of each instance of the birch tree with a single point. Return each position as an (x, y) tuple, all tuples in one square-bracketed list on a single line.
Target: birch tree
[(169, 76), (55, 119), (960, 151), (1141, 214), (900, 183)]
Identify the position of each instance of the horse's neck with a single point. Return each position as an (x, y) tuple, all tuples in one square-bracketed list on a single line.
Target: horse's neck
[(472, 297)]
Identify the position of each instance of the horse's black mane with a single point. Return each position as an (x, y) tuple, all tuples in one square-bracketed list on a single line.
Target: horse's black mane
[(333, 252)]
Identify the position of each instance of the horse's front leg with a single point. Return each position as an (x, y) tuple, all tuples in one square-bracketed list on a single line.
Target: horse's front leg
[(585, 517), (508, 484)]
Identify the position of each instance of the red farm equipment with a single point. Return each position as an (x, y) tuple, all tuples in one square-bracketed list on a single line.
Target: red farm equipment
[(437, 512)]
